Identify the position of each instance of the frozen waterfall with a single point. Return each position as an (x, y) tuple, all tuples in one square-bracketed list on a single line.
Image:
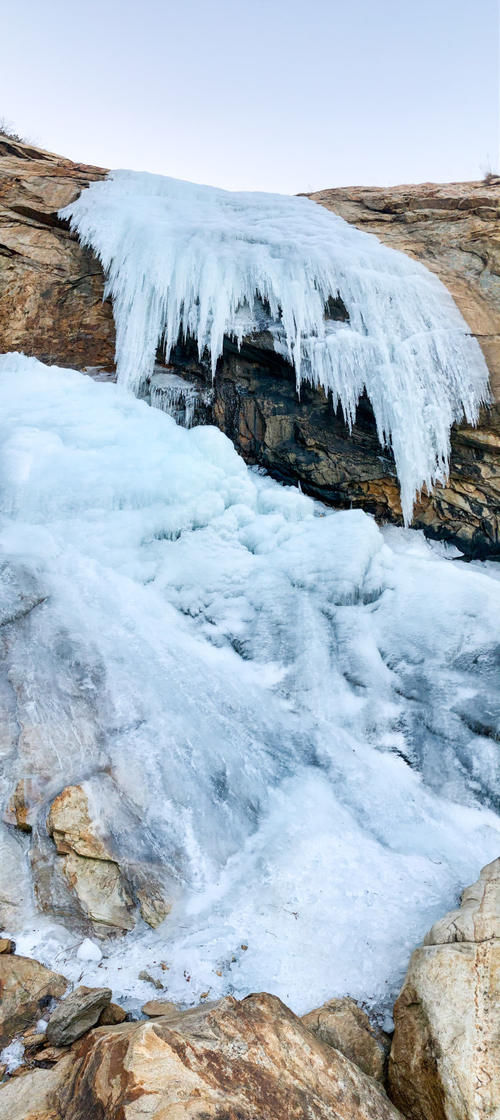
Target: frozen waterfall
[(299, 708), (183, 258)]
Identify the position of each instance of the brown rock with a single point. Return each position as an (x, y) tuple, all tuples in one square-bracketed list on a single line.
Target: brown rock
[(111, 1015), (344, 1025), (32, 1096), (49, 1055), (50, 288), (76, 1014), (18, 810), (7, 945), (445, 1056), (247, 1060), (26, 987), (71, 827), (156, 1008)]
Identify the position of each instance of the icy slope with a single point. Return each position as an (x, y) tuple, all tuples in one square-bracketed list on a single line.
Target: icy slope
[(207, 262), (291, 701)]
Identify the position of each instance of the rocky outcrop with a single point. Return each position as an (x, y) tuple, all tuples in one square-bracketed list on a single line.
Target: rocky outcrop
[(344, 1025), (51, 306), (50, 288), (107, 885), (26, 989), (445, 1056), (234, 1060)]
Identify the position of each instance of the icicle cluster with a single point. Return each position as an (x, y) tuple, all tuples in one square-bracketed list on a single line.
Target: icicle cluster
[(182, 258)]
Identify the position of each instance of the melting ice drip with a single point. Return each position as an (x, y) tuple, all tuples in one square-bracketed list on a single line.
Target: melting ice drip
[(181, 399), (187, 259)]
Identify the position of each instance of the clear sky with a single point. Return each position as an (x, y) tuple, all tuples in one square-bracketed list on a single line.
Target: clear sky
[(283, 95)]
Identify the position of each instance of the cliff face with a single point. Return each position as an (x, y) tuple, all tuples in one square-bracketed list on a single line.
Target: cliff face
[(50, 288), (51, 306)]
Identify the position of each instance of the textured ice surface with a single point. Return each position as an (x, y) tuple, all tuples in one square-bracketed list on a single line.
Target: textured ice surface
[(292, 701), (203, 261)]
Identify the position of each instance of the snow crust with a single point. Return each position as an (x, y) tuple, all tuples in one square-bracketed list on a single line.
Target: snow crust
[(196, 260), (300, 708)]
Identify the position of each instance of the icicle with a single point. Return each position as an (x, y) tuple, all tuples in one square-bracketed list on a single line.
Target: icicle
[(182, 400), (202, 261)]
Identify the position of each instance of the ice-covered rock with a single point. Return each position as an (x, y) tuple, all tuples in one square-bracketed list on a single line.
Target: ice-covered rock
[(183, 259), (288, 703)]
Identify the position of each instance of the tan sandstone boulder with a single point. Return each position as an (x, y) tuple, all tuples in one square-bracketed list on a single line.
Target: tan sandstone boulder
[(344, 1025), (445, 1057), (248, 1060), (32, 1096), (26, 987)]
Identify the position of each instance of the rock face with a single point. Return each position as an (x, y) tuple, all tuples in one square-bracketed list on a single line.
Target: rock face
[(26, 987), (105, 884), (237, 1061), (51, 306), (344, 1025), (445, 1056), (50, 288)]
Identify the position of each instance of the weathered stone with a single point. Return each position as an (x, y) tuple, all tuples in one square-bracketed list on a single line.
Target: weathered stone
[(71, 828), (51, 290), (32, 1096), (26, 987), (106, 882), (445, 1056), (247, 1060), (49, 1055), (145, 975), (111, 1015), (7, 945), (341, 1023), (156, 1008), (76, 1014), (100, 890)]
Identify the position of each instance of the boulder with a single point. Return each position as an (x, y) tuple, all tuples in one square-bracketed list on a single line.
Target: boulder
[(32, 1096), (26, 988), (445, 1056), (7, 945), (76, 1015), (344, 1025), (159, 1008), (252, 1060), (111, 1015)]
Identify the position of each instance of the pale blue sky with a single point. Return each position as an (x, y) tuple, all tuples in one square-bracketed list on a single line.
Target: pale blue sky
[(283, 95)]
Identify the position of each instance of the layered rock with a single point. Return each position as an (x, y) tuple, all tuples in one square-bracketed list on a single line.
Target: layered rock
[(233, 1060), (445, 1056), (51, 306), (51, 290)]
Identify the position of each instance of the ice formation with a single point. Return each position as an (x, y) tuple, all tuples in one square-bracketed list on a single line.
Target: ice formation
[(184, 401), (206, 262), (301, 709)]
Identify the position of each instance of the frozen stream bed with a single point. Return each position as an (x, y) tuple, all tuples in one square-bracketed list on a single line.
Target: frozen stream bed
[(300, 708)]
